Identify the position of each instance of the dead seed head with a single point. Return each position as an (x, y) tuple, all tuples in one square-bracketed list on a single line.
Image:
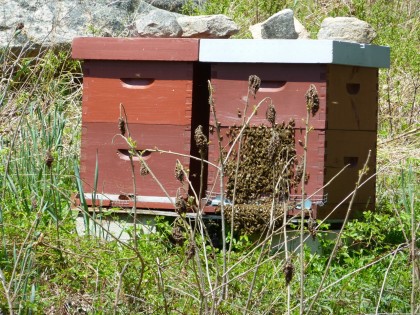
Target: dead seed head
[(121, 126), (49, 159), (179, 172), (270, 114), (177, 237), (200, 139), (288, 271), (191, 251), (144, 170), (254, 83), (298, 174), (274, 145), (312, 227), (312, 99), (20, 26), (34, 203), (180, 205)]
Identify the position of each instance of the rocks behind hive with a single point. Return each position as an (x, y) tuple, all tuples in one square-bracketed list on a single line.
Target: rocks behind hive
[(282, 25), (348, 29), (301, 30), (33, 24), (279, 25), (158, 23), (207, 26), (175, 5), (161, 23)]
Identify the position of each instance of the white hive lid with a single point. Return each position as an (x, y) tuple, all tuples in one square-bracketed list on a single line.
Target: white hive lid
[(293, 51)]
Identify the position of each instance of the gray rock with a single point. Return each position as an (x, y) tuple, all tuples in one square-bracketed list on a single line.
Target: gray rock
[(281, 26), (348, 29), (50, 23), (32, 24), (158, 23), (256, 30), (175, 5), (207, 26), (301, 30)]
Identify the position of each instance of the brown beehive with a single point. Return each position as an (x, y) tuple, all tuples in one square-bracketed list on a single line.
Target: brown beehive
[(158, 83), (162, 85), (343, 127)]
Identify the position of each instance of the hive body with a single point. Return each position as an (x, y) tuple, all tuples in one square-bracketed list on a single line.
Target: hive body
[(343, 130), (153, 85), (162, 85)]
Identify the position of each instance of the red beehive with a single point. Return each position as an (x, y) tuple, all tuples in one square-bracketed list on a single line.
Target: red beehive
[(344, 127), (159, 83)]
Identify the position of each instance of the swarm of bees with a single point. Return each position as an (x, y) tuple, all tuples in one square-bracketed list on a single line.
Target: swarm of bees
[(253, 218), (265, 170), (267, 156)]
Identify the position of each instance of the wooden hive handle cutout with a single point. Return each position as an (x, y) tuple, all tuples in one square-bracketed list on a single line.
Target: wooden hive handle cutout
[(136, 83), (353, 88), (124, 154), (272, 86)]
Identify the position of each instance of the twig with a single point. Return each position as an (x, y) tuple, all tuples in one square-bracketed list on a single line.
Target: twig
[(222, 189), (399, 248), (286, 251), (413, 251), (389, 102), (302, 214), (183, 292), (161, 286), (117, 294), (34, 224), (414, 131), (126, 245), (251, 288), (124, 121), (383, 282), (183, 155), (6, 292), (362, 172), (232, 219)]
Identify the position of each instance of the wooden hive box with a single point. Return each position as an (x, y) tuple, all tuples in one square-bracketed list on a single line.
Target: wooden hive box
[(344, 127), (158, 82)]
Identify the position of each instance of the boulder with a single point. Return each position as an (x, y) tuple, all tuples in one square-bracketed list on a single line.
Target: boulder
[(348, 29), (35, 23), (256, 30), (32, 24), (281, 26), (301, 30), (207, 26), (157, 23)]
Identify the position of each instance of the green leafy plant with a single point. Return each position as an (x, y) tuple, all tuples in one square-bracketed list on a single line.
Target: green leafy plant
[(49, 266)]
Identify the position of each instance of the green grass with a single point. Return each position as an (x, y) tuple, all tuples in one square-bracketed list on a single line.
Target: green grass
[(47, 267)]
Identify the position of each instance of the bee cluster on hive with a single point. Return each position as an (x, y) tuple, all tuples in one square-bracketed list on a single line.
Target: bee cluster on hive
[(265, 170)]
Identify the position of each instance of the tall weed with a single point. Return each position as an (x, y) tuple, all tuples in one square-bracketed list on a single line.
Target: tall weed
[(46, 267)]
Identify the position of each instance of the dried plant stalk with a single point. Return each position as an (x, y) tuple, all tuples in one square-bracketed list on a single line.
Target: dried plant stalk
[(254, 83)]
